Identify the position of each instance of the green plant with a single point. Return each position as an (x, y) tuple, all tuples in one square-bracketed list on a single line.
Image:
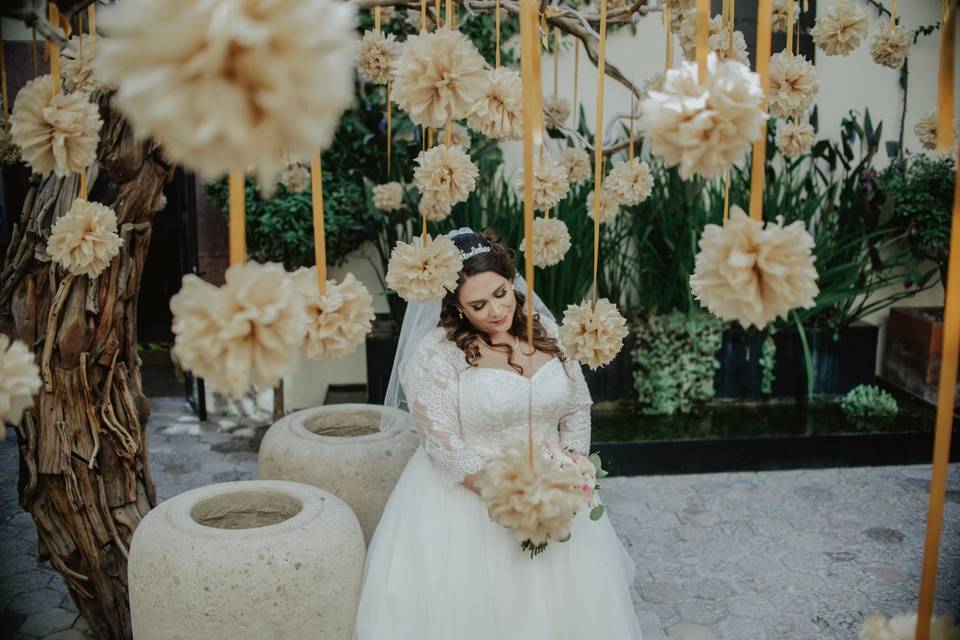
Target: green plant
[(768, 360), (869, 401), (675, 361), (918, 196)]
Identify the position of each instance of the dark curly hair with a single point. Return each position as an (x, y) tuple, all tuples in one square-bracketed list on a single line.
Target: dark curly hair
[(460, 330)]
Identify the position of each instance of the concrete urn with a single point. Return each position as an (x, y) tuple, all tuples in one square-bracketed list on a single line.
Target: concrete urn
[(248, 559), (355, 451)]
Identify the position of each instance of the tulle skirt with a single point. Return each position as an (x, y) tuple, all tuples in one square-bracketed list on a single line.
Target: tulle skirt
[(439, 569)]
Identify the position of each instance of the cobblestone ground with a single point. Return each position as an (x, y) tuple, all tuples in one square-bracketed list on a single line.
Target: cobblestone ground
[(784, 555)]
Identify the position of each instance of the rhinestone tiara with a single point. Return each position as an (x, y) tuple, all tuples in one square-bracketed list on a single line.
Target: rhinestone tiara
[(477, 250)]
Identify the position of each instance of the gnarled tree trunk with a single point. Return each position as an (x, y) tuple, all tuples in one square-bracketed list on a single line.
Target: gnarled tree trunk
[(84, 464)]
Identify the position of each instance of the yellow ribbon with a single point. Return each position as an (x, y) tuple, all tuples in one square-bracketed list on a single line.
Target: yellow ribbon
[(668, 51), (319, 235), (790, 25), (764, 19), (532, 129), (389, 130), (92, 18), (437, 9), (556, 59), (893, 13), (423, 15), (449, 14), (947, 390), (497, 28), (54, 50), (598, 144), (238, 222), (3, 85), (576, 78), (703, 38), (376, 18)]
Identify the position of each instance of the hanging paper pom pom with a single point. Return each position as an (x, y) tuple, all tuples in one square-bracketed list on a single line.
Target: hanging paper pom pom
[(779, 19), (295, 178), (77, 68), (550, 184), (388, 197), (704, 129), (19, 380), (231, 84), (890, 45), (446, 174), (438, 77), (432, 209), (794, 138), (719, 43), (537, 501), (336, 321), (752, 274), (576, 161), (85, 240), (56, 132), (793, 85), (376, 56), (499, 112), (593, 334), (551, 241), (840, 29), (556, 110), (247, 333), (424, 272), (904, 627), (609, 209), (459, 135), (629, 183), (926, 130)]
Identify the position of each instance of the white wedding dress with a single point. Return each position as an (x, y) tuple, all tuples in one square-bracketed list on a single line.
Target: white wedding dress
[(438, 568)]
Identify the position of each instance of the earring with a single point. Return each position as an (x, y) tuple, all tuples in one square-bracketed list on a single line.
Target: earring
[(460, 313)]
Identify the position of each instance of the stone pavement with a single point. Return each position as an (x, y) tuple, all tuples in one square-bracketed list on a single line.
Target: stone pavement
[(783, 555)]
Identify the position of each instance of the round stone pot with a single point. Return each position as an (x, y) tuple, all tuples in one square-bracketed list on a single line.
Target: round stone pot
[(250, 559), (354, 451)]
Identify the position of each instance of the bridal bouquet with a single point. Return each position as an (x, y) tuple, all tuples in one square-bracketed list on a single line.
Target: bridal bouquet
[(537, 497)]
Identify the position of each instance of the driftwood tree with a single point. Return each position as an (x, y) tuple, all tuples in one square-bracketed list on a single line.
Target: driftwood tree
[(84, 462), (84, 459)]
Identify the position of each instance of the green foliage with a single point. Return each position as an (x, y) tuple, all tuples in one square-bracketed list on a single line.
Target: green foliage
[(918, 196), (768, 360), (869, 401), (675, 361)]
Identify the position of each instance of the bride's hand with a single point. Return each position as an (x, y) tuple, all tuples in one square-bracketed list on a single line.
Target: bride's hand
[(470, 482)]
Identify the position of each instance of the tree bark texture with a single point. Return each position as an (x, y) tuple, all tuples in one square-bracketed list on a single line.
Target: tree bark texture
[(84, 464)]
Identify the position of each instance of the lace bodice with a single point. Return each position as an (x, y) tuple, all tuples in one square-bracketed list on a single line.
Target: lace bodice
[(465, 414)]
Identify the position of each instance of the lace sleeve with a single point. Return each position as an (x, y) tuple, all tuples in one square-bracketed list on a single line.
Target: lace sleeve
[(575, 426), (432, 388)]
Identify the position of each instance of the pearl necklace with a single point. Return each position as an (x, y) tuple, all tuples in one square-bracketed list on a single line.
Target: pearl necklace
[(502, 348)]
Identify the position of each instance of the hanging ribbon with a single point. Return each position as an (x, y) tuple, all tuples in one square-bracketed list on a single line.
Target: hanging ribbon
[(437, 9), (54, 19), (319, 235), (598, 144), (556, 60), (389, 130), (423, 15), (726, 195), (36, 54), (449, 14), (576, 73), (237, 217), (496, 22), (3, 84), (790, 48), (92, 18), (764, 19), (945, 87), (668, 46), (947, 390), (376, 18), (703, 38), (893, 13)]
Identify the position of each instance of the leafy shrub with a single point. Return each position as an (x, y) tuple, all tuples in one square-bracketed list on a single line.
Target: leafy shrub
[(869, 401)]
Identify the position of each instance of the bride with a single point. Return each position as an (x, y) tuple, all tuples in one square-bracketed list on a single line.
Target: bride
[(438, 568)]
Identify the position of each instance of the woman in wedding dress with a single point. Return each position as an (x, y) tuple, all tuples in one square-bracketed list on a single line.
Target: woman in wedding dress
[(438, 568)]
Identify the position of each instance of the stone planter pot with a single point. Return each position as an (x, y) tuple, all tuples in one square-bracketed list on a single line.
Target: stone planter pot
[(342, 449), (249, 559)]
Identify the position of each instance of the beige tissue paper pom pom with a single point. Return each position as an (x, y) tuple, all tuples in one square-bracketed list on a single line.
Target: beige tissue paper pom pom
[(926, 130), (338, 320), (231, 84), (719, 40), (9, 151), (499, 112), (85, 240), (77, 66), (550, 184), (793, 85), (629, 183), (780, 14), (654, 83), (704, 129), (537, 501), (375, 59), (438, 77), (295, 178), (19, 379), (56, 132), (752, 274), (556, 111), (445, 174), (551, 241), (424, 272), (459, 134), (609, 209), (388, 197), (432, 209), (904, 627), (249, 332), (794, 138), (890, 45), (841, 28), (593, 335), (576, 161)]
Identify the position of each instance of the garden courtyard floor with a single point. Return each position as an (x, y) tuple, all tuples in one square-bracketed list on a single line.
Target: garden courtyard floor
[(802, 554)]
